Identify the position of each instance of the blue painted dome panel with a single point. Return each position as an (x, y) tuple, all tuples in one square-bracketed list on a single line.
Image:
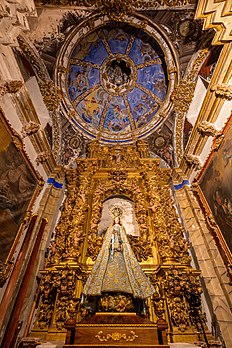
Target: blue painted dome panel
[(117, 39), (141, 105), (116, 118), (153, 79), (81, 78)]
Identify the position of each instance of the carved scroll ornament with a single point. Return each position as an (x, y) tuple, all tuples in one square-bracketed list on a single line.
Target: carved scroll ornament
[(116, 336)]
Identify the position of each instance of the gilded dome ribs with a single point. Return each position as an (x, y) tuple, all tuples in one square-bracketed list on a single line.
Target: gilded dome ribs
[(76, 61), (130, 44), (149, 63), (104, 41), (100, 128), (147, 91), (132, 122), (85, 94)]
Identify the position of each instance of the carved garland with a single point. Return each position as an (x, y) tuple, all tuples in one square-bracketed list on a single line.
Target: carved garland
[(70, 228), (183, 293), (167, 230), (182, 97)]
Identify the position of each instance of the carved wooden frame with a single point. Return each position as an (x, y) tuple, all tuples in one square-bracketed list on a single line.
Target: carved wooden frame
[(211, 223)]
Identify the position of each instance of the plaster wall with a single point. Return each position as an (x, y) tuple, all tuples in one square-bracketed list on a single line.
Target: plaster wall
[(195, 106), (37, 100)]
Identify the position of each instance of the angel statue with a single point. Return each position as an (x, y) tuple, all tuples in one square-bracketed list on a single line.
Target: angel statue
[(116, 269)]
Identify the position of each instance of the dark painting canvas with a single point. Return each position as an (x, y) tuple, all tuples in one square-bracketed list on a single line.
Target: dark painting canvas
[(216, 184), (17, 185)]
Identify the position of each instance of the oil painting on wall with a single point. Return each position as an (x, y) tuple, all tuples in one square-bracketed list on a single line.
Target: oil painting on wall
[(17, 186), (216, 185)]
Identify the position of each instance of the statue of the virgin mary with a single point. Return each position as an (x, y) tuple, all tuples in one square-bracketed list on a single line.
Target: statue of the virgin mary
[(116, 268)]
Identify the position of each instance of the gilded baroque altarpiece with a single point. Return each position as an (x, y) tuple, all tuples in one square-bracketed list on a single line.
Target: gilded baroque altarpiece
[(160, 248)]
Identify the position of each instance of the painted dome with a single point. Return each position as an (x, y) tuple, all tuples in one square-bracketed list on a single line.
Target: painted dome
[(116, 82)]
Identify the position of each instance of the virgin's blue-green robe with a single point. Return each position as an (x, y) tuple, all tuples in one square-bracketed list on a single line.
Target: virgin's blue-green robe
[(117, 269)]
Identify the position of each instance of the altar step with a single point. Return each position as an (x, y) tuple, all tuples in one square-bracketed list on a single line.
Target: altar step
[(116, 330)]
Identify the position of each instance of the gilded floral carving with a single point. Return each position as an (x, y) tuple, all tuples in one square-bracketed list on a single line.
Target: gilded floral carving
[(57, 287), (183, 95), (51, 95), (116, 336), (183, 291), (129, 172)]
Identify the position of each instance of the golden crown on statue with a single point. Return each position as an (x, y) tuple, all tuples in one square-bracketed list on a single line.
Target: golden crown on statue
[(116, 212)]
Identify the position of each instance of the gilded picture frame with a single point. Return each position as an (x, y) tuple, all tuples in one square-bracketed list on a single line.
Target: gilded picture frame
[(214, 191), (20, 184)]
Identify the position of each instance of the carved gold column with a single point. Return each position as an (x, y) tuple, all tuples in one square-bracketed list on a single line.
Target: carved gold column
[(178, 299), (60, 284)]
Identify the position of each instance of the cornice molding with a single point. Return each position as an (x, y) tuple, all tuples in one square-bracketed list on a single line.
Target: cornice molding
[(119, 8)]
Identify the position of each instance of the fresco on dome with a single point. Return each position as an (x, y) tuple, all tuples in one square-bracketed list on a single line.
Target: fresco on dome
[(81, 78), (90, 49), (116, 118), (145, 118), (148, 117), (88, 81), (142, 52), (153, 78), (91, 107), (117, 39), (216, 184), (141, 104)]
